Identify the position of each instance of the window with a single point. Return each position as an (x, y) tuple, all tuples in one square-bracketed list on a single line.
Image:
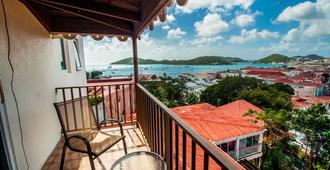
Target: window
[(248, 142), (229, 146), (63, 61), (76, 55)]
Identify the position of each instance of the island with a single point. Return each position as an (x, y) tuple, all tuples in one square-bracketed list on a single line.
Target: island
[(202, 60)]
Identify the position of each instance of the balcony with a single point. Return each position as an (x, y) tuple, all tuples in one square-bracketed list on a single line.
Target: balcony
[(148, 125)]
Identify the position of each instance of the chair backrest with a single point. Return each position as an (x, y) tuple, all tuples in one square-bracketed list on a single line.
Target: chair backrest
[(76, 116)]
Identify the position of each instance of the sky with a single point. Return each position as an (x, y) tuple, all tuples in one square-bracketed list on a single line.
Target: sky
[(249, 29)]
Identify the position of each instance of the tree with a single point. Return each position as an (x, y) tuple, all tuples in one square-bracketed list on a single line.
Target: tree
[(227, 90), (314, 123), (96, 74), (171, 91), (267, 97), (283, 87), (276, 125), (192, 99), (153, 77)]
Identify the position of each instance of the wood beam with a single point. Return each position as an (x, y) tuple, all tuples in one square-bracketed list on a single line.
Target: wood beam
[(149, 11), (82, 26), (40, 13), (135, 59), (125, 26), (98, 8)]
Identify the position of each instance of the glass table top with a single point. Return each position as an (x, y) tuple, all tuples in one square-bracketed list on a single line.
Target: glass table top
[(140, 160)]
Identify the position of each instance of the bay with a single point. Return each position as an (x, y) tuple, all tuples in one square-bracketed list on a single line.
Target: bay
[(171, 70)]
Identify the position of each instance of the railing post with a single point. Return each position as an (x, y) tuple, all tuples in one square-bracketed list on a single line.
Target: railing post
[(135, 59), (136, 73), (168, 141)]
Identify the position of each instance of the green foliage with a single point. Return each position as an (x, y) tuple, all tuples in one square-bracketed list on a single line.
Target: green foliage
[(314, 123), (88, 74), (96, 74), (169, 91), (202, 60), (227, 90), (153, 77), (267, 97), (277, 58), (283, 88), (95, 100), (192, 99)]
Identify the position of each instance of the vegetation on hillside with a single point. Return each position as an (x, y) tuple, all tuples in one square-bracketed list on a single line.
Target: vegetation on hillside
[(276, 58), (308, 57), (203, 60), (227, 90), (172, 92)]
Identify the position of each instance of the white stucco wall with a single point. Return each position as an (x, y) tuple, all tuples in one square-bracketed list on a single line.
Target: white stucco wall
[(36, 59)]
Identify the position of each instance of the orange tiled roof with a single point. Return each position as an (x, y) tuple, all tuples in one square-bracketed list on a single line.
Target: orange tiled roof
[(219, 123)]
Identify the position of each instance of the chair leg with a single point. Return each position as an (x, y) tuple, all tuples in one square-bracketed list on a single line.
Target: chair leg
[(63, 157), (125, 147), (91, 161)]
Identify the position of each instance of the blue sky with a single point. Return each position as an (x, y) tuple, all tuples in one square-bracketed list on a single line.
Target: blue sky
[(249, 29)]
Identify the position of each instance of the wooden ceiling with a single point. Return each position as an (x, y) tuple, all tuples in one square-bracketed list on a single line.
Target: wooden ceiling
[(101, 17)]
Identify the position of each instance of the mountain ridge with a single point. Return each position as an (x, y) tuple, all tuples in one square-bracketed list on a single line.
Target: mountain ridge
[(202, 60)]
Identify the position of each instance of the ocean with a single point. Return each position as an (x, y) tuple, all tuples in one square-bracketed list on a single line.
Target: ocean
[(170, 70)]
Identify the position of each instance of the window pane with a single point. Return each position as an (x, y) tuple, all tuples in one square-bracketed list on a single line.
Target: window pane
[(63, 61), (249, 141), (76, 55), (224, 147), (231, 145), (242, 143)]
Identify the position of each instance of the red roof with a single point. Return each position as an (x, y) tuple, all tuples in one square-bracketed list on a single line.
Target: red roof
[(303, 101), (214, 123), (267, 74), (220, 123)]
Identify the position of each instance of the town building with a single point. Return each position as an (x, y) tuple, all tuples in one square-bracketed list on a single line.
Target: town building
[(227, 127)]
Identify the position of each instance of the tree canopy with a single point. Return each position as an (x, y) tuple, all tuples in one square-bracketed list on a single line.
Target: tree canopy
[(227, 90)]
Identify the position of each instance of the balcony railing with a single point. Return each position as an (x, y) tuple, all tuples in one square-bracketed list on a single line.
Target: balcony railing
[(169, 136), (115, 101), (165, 133), (244, 152)]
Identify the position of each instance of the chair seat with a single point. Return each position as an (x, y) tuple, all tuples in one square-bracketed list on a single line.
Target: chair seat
[(99, 141)]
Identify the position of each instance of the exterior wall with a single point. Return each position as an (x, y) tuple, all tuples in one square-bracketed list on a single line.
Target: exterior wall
[(236, 153), (36, 60)]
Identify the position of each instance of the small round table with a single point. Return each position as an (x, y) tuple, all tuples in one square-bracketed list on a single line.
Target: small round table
[(141, 160)]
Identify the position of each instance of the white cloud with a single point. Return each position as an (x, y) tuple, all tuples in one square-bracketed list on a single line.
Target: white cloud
[(166, 27), (175, 33), (111, 49), (313, 17), (244, 20), (211, 25), (213, 5), (169, 20), (292, 35), (252, 35)]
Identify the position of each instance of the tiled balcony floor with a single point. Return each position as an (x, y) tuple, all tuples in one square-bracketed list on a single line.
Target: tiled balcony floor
[(134, 139)]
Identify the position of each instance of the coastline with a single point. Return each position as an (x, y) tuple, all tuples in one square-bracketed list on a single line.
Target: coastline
[(121, 70)]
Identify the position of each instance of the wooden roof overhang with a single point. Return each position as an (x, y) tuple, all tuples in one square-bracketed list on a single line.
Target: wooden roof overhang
[(98, 18)]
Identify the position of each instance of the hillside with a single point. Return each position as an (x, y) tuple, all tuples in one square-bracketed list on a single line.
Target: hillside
[(274, 58), (308, 57), (203, 60), (140, 61)]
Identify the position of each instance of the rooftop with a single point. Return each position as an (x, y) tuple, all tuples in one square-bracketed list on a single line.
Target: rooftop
[(219, 123)]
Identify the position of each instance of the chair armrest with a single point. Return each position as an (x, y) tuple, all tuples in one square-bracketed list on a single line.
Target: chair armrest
[(119, 124), (88, 146), (113, 120)]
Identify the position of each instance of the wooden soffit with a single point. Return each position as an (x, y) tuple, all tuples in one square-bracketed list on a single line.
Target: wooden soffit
[(99, 18)]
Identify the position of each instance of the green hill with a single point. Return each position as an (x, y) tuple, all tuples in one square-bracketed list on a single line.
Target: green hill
[(203, 60), (140, 61), (274, 58), (308, 57)]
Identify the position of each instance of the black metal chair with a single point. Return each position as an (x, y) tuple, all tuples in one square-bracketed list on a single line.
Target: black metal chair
[(81, 131)]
